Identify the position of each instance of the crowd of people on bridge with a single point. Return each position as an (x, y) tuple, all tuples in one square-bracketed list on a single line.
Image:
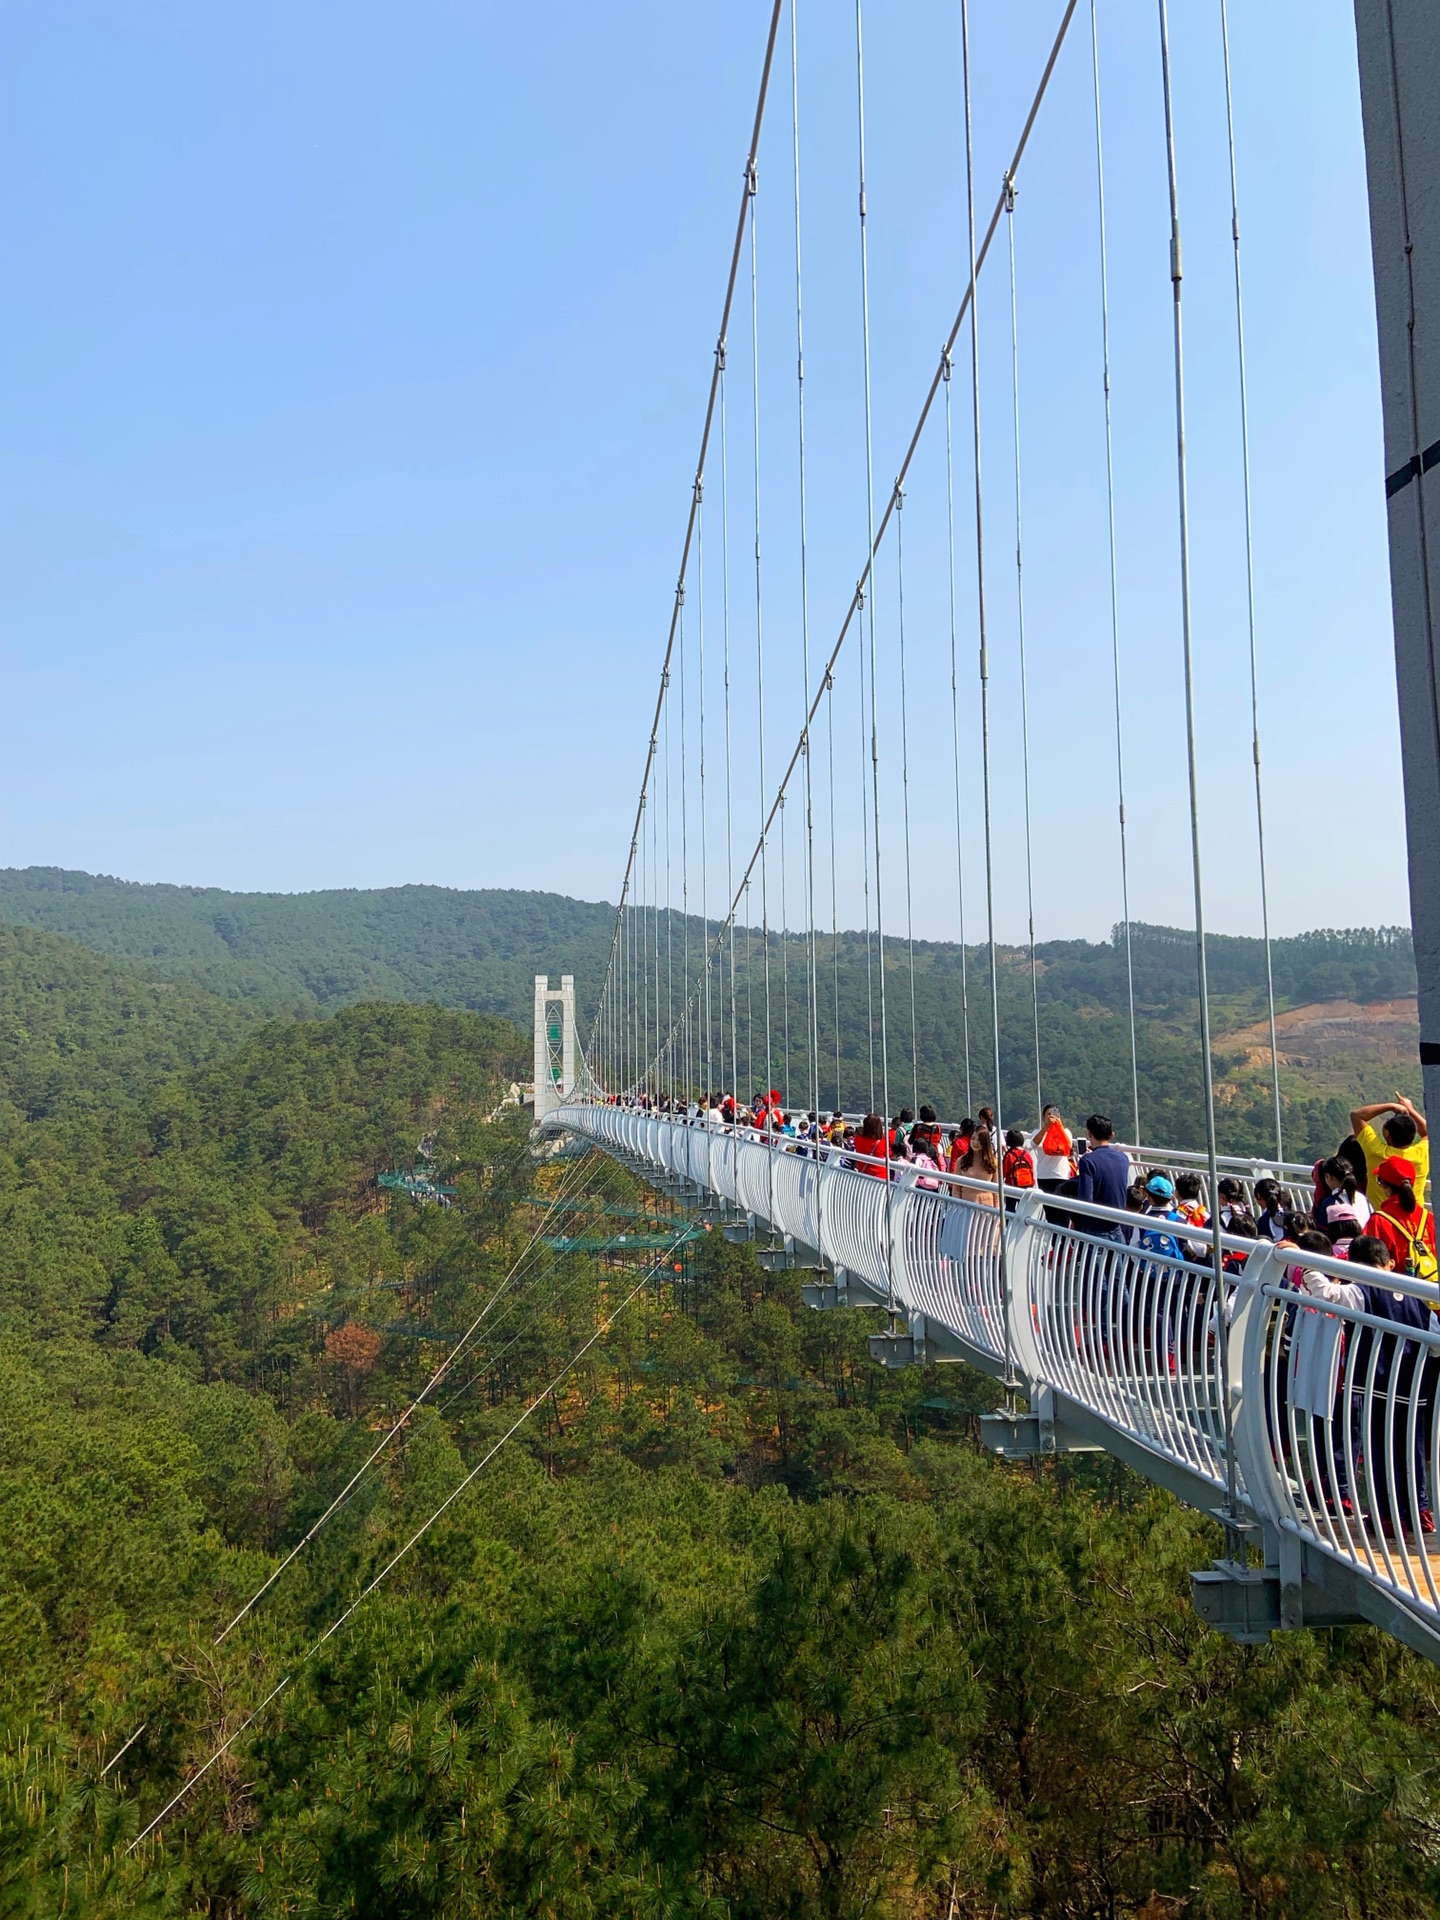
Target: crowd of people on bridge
[(1368, 1207), (1372, 1187)]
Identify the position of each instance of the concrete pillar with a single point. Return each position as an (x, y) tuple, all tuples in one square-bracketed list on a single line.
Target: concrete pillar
[(1399, 48), (554, 1042)]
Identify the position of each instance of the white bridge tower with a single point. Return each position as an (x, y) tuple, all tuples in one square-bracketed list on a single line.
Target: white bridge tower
[(554, 1043)]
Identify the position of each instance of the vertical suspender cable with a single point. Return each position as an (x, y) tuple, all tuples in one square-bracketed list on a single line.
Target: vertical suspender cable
[(999, 1135), (1250, 585), (759, 627), (947, 368), (784, 960), (707, 1077), (834, 891), (749, 997), (655, 918), (725, 662), (669, 912), (1114, 574), (870, 621), (905, 786), (1182, 501), (1020, 633), (730, 285), (812, 984), (642, 1052), (687, 1074)]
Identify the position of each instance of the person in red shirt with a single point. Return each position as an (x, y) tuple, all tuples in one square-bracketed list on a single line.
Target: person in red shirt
[(1405, 1225), (872, 1146)]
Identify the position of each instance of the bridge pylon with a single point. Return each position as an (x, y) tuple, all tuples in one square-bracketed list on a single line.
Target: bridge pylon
[(1399, 47), (554, 1043)]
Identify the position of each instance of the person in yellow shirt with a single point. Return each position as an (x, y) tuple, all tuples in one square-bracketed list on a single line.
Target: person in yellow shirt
[(1404, 1135)]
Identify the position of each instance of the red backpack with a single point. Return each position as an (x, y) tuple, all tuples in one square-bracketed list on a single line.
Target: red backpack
[(1018, 1169)]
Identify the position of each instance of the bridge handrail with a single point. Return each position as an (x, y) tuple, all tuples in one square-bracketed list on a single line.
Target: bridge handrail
[(1318, 1399)]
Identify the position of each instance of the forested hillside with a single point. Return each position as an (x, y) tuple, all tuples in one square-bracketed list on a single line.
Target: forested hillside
[(310, 952), (736, 1624)]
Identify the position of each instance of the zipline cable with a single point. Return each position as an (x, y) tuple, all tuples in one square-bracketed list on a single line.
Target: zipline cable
[(1250, 585), (1114, 572), (341, 1619), (430, 1385), (1020, 632)]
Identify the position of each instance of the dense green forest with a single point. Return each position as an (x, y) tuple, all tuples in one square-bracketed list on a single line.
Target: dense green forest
[(311, 952), (736, 1624)]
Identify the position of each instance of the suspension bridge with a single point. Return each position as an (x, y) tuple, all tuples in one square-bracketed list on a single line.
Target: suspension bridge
[(1308, 1425)]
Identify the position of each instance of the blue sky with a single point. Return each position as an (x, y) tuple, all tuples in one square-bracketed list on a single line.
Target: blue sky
[(353, 361)]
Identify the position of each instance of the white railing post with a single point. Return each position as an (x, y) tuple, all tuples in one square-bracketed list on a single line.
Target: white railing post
[(1246, 1335), (1024, 1256)]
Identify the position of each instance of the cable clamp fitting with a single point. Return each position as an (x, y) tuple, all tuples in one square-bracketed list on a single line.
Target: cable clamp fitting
[(899, 497), (947, 364), (720, 354), (752, 179), (1009, 187), (699, 488)]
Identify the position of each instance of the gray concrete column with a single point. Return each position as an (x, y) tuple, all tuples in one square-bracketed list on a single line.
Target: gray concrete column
[(1399, 47)]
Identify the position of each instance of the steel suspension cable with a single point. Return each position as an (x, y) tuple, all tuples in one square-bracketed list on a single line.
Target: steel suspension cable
[(855, 603), (813, 1024), (984, 660), (710, 1076), (669, 909), (947, 369), (1187, 639), (834, 891), (687, 1072), (729, 790), (1020, 634), (870, 527), (1250, 583), (710, 407), (784, 963), (656, 1071), (1114, 572), (905, 789), (760, 629)]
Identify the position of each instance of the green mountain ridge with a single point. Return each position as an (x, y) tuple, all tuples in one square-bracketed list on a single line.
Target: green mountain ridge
[(309, 953)]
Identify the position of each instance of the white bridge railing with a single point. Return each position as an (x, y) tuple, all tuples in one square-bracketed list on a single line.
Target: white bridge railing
[(1321, 1418)]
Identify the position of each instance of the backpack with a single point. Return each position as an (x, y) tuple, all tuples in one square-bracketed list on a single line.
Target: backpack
[(1055, 1141), (1422, 1262), (1019, 1168)]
